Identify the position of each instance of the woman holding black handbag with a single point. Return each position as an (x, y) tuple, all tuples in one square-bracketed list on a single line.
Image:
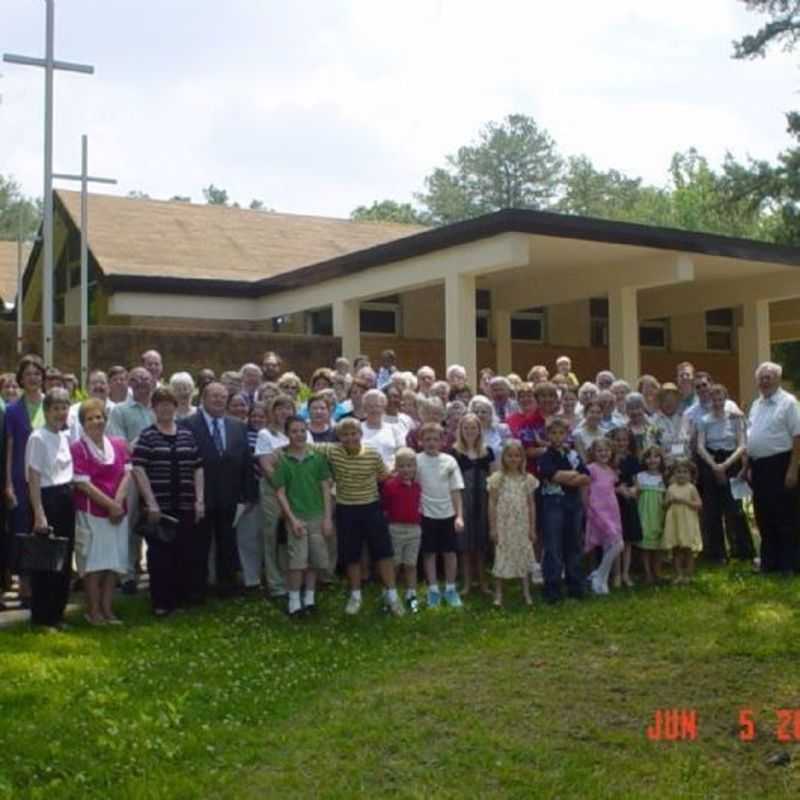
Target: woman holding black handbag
[(48, 465), (169, 472)]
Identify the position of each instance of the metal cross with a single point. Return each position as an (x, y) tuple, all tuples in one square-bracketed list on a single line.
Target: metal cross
[(85, 179), (50, 65)]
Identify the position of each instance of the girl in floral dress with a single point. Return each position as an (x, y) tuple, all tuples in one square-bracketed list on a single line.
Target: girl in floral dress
[(512, 520)]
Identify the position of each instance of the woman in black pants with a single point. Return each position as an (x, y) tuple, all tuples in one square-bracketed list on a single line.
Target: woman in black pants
[(169, 472), (721, 450), (48, 463)]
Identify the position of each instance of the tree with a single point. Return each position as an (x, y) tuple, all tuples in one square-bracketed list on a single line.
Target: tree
[(514, 164), (591, 193), (783, 27), (137, 195), (180, 198), (17, 212), (215, 196), (389, 211)]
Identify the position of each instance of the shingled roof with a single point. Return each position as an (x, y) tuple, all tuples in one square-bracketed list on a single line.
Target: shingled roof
[(153, 238)]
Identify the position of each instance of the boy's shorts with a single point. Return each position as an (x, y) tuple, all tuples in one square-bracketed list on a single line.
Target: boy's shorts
[(360, 525), (309, 551), (439, 535), (405, 542)]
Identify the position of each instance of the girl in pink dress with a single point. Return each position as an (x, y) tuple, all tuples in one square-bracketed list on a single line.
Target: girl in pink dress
[(603, 521)]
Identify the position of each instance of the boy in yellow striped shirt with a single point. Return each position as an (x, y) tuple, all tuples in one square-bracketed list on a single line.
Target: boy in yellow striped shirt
[(357, 471)]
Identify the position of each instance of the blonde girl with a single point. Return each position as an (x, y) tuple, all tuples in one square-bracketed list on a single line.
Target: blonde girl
[(651, 490), (512, 520), (475, 460), (682, 524)]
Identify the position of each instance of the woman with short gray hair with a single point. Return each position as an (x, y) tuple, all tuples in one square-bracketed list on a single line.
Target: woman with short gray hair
[(182, 384)]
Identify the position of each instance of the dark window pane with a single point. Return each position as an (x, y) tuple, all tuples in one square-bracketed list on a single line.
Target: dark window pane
[(719, 340), (482, 326), (599, 333), (530, 330), (322, 322), (598, 307), (652, 336), (483, 299), (374, 321), (720, 316)]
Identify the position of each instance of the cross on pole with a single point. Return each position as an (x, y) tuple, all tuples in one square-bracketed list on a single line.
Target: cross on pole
[(85, 179), (50, 65)]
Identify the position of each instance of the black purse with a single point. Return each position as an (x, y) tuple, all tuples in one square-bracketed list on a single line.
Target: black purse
[(41, 552), (164, 531)]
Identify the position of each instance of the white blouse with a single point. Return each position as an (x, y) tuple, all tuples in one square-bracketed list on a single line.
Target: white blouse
[(48, 453)]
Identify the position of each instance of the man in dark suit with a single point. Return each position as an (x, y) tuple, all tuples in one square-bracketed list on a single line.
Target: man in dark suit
[(222, 442)]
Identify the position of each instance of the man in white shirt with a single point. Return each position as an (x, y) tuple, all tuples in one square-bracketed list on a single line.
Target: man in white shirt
[(773, 448), (99, 388)]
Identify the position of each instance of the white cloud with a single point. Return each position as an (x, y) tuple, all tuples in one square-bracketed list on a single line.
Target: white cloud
[(321, 106)]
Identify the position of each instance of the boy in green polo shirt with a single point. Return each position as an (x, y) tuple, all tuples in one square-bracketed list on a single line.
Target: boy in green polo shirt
[(302, 481)]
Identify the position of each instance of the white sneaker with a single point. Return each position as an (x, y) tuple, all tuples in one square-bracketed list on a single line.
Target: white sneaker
[(396, 608), (353, 606), (598, 587)]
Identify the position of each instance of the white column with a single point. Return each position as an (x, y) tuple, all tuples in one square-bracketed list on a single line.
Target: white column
[(459, 331), (501, 333), (623, 333), (346, 325), (754, 345)]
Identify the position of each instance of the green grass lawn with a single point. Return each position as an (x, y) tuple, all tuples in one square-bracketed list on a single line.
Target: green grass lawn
[(236, 701)]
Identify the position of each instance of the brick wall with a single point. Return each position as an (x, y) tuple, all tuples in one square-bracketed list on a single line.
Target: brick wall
[(181, 349)]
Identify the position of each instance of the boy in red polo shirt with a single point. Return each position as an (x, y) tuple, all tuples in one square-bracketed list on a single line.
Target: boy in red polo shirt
[(402, 497)]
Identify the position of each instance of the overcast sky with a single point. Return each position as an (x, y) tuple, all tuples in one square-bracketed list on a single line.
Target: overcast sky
[(318, 106)]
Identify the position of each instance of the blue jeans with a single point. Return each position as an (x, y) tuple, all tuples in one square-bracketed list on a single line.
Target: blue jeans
[(562, 532)]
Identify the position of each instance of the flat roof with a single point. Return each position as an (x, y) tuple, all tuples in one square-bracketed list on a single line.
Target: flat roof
[(540, 223)]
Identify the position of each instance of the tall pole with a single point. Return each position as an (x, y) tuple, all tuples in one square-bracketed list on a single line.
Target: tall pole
[(84, 263), (85, 179), (19, 280), (50, 65), (47, 276)]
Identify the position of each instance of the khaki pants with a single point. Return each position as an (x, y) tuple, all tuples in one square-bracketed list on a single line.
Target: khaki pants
[(275, 557)]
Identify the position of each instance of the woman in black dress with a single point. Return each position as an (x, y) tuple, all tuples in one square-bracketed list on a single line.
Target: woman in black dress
[(628, 466), (475, 461)]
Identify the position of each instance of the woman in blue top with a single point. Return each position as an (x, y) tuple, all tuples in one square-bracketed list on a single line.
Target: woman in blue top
[(22, 417)]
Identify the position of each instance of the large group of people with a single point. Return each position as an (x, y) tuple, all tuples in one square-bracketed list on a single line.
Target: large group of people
[(256, 482)]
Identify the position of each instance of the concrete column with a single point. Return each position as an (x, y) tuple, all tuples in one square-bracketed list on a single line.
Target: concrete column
[(623, 333), (501, 333), (347, 326), (459, 329), (754, 345)]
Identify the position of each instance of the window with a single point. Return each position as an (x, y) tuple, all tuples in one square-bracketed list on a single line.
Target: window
[(381, 316), (528, 325), (320, 322), (482, 320), (719, 329), (483, 313), (654, 333), (598, 323)]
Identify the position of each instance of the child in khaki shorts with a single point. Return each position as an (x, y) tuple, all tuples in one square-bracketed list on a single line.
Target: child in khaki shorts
[(302, 481), (402, 496)]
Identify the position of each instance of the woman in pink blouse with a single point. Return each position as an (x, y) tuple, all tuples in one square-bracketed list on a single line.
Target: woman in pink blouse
[(101, 476)]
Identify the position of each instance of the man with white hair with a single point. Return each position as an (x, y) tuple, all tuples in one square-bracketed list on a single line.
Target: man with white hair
[(98, 388), (604, 379), (773, 448), (456, 376), (252, 377), (152, 362), (426, 377)]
